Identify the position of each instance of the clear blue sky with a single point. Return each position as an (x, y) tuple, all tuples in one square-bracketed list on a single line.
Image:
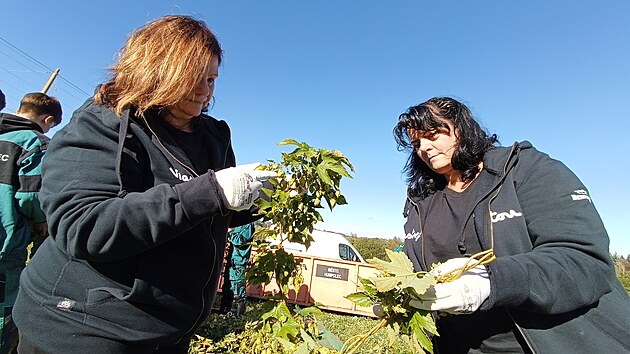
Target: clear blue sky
[(337, 74)]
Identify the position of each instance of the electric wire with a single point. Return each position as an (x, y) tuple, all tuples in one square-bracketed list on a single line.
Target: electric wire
[(25, 54), (30, 69), (15, 76)]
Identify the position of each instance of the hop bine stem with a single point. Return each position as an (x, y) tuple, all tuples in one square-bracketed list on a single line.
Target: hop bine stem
[(352, 344), (481, 258)]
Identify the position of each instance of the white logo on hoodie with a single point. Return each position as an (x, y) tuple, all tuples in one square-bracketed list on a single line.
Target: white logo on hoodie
[(415, 235), (580, 194), (496, 217), (180, 176)]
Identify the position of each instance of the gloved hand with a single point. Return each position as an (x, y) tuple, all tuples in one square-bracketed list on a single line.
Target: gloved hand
[(241, 184), (462, 295)]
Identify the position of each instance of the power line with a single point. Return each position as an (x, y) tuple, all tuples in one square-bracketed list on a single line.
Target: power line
[(25, 54), (68, 82), (21, 63), (10, 85), (72, 95), (15, 76), (24, 71), (73, 85)]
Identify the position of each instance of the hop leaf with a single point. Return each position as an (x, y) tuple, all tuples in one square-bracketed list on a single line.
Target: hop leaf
[(421, 325), (399, 264), (360, 299)]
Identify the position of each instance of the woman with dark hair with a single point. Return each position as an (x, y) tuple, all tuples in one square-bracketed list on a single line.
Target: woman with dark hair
[(139, 190), (552, 287)]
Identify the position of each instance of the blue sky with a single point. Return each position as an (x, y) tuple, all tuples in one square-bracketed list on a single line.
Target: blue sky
[(336, 74)]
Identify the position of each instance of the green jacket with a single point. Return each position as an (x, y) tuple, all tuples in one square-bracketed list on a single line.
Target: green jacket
[(22, 148)]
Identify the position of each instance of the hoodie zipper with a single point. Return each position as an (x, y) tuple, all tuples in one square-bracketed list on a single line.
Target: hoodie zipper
[(415, 205), (214, 244), (514, 149), (188, 168), (203, 300)]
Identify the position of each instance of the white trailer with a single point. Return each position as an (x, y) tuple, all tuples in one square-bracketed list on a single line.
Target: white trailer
[(326, 244)]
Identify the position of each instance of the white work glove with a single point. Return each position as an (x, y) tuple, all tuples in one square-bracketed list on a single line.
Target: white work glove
[(462, 295), (241, 185)]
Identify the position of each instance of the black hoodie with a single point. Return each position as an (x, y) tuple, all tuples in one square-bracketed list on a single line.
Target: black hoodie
[(138, 236), (10, 122), (553, 272)]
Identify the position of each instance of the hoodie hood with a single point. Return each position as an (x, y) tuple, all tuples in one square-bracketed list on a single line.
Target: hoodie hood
[(12, 122), (497, 160)]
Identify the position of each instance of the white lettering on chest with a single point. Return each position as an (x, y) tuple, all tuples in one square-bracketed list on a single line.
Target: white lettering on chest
[(496, 217), (179, 175)]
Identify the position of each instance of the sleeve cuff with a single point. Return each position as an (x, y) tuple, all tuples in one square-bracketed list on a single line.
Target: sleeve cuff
[(508, 283), (201, 198)]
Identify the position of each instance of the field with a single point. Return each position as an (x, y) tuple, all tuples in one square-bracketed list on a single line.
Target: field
[(221, 330)]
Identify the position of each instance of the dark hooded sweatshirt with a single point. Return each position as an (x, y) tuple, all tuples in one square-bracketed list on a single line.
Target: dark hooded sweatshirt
[(138, 235), (553, 274)]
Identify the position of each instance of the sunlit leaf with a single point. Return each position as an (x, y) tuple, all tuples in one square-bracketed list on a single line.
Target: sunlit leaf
[(367, 286), (289, 329), (360, 299), (424, 320), (322, 173), (422, 325), (312, 344), (392, 334), (288, 142), (399, 265), (303, 349), (286, 344), (336, 167), (311, 311), (419, 285)]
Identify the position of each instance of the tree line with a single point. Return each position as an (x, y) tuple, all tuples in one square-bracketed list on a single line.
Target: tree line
[(622, 267)]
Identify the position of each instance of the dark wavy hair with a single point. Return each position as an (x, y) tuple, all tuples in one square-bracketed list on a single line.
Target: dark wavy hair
[(473, 142)]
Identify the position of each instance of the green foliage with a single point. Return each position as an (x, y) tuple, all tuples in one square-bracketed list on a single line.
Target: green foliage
[(278, 264), (370, 247), (227, 334), (625, 281), (305, 177), (391, 291), (390, 294), (622, 268)]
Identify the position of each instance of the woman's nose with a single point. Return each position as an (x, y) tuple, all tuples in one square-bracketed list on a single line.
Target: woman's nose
[(424, 145), (203, 88)]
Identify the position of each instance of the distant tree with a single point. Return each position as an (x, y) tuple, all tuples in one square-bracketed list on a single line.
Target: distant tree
[(622, 268), (373, 247)]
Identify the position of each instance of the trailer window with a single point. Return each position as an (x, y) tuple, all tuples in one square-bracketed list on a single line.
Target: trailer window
[(347, 254)]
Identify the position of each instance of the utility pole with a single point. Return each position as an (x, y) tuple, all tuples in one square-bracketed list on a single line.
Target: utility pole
[(52, 78)]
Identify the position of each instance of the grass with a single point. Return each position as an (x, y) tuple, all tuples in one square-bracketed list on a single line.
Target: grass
[(220, 330), (345, 326)]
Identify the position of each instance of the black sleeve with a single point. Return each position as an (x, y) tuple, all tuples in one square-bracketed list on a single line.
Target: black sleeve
[(569, 266), (88, 219)]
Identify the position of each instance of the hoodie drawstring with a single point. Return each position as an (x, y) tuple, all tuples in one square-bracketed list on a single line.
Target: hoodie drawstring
[(122, 135)]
